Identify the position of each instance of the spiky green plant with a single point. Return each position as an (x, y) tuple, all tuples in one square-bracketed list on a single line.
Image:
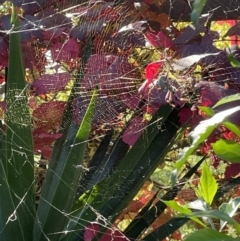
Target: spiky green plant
[(64, 211), (61, 214)]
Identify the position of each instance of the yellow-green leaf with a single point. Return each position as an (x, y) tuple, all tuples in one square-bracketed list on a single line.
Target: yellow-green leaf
[(207, 186), (182, 210), (227, 150)]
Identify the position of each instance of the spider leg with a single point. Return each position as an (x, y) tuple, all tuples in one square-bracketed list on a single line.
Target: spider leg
[(169, 98)]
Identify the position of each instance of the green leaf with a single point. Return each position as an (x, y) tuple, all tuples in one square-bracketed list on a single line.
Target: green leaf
[(174, 176), (233, 128), (19, 161), (174, 205), (227, 150), (233, 61), (229, 208), (216, 214), (207, 186), (198, 6), (227, 99), (209, 111), (60, 187), (202, 132), (10, 226), (182, 210), (209, 234)]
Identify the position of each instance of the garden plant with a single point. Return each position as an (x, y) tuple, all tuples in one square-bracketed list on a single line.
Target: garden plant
[(111, 111)]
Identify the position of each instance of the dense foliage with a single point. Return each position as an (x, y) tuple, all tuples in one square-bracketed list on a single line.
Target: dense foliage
[(147, 87)]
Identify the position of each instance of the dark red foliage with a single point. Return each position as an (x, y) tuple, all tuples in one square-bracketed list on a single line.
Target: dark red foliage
[(47, 116), (29, 30), (3, 52), (127, 41), (50, 82), (43, 142), (95, 10), (116, 28), (135, 129), (114, 76), (65, 51), (211, 92), (159, 39), (32, 7), (232, 169), (226, 74), (33, 56), (187, 115), (94, 229)]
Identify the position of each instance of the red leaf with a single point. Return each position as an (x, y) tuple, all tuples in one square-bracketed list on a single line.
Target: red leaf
[(111, 234), (112, 74), (232, 170), (96, 68), (3, 52), (65, 51), (130, 99), (159, 40), (152, 71), (185, 114), (44, 150), (50, 82), (134, 130), (43, 142)]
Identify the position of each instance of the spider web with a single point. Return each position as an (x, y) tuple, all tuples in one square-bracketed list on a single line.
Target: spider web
[(74, 47)]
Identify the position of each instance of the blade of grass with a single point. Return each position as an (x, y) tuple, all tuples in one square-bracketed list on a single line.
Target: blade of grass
[(85, 182), (10, 228), (58, 196), (109, 163), (19, 160)]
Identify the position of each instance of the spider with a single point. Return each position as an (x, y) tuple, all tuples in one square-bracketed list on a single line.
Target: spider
[(173, 94)]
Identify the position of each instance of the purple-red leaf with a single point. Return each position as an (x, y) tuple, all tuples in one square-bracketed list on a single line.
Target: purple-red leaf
[(94, 229), (212, 92), (159, 40), (65, 51), (50, 82), (3, 52), (134, 130), (125, 41), (113, 75)]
